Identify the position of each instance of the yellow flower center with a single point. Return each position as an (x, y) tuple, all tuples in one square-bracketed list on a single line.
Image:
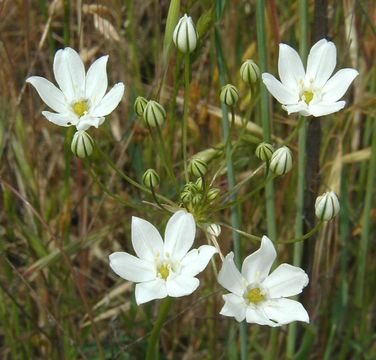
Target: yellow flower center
[(308, 96), (255, 296), (80, 107), (164, 271)]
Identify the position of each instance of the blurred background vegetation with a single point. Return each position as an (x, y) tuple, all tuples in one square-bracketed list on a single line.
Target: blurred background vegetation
[(60, 217)]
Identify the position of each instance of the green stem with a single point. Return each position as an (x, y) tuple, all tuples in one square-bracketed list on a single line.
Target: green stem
[(185, 113), (66, 22), (152, 351)]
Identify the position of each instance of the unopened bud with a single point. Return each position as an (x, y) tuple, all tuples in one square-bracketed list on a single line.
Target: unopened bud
[(250, 72), (213, 194), (82, 144), (281, 161), (150, 178), (185, 35), (327, 206), (198, 167), (139, 105), (199, 184), (229, 95), (264, 151), (213, 230), (154, 114)]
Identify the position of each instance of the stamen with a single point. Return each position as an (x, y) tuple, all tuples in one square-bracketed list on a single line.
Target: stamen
[(80, 107), (308, 96), (164, 271), (255, 296)]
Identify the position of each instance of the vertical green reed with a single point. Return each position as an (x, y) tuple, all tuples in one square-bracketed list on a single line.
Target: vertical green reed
[(299, 222)]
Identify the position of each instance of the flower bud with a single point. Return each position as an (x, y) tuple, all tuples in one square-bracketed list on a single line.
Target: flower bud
[(154, 114), (213, 230), (150, 178), (185, 35), (82, 144), (281, 161), (250, 72), (198, 167), (196, 199), (213, 194), (199, 184), (264, 151), (139, 105), (229, 95), (327, 206)]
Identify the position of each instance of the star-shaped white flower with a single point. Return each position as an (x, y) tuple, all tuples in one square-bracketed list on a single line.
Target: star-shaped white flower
[(163, 268), (310, 92), (259, 297), (81, 99)]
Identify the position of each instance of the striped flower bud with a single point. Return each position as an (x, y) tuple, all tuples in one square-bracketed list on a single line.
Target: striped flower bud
[(185, 35), (264, 151), (139, 105), (198, 167), (281, 161), (213, 229), (150, 178), (82, 144), (229, 95), (213, 194), (327, 206), (250, 72), (154, 114)]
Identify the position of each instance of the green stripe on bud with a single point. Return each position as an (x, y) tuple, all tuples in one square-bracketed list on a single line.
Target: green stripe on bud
[(198, 167), (229, 95), (150, 178), (154, 114), (185, 35), (82, 144), (281, 161), (139, 105), (264, 151), (327, 206), (250, 72)]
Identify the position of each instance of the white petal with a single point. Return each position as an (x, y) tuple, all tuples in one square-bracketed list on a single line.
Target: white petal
[(258, 316), (336, 86), (146, 240), (151, 290), (301, 107), (69, 73), (49, 93), (290, 67), (285, 311), (234, 306), (96, 81), (256, 266), (321, 62), (180, 234), (281, 92), (229, 276), (197, 260), (86, 121), (322, 109), (181, 285), (66, 119), (132, 268), (286, 280), (110, 101)]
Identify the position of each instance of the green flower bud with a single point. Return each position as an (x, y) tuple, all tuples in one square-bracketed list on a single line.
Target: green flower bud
[(250, 72), (139, 105), (213, 194), (327, 206), (196, 199), (229, 95), (198, 167), (154, 114), (199, 184), (150, 178), (281, 161), (264, 151), (82, 144), (185, 35)]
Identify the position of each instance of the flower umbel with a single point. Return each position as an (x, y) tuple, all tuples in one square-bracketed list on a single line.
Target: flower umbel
[(311, 92), (163, 268), (259, 297), (81, 99)]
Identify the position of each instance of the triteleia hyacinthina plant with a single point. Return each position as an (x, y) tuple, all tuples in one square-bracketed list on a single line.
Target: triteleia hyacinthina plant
[(81, 100), (311, 92)]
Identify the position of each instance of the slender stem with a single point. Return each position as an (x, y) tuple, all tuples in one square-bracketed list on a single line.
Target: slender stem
[(302, 131), (185, 113), (154, 337)]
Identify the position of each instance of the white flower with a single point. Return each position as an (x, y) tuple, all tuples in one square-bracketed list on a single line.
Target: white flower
[(327, 206), (310, 92), (163, 268), (259, 297), (81, 99), (185, 35)]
